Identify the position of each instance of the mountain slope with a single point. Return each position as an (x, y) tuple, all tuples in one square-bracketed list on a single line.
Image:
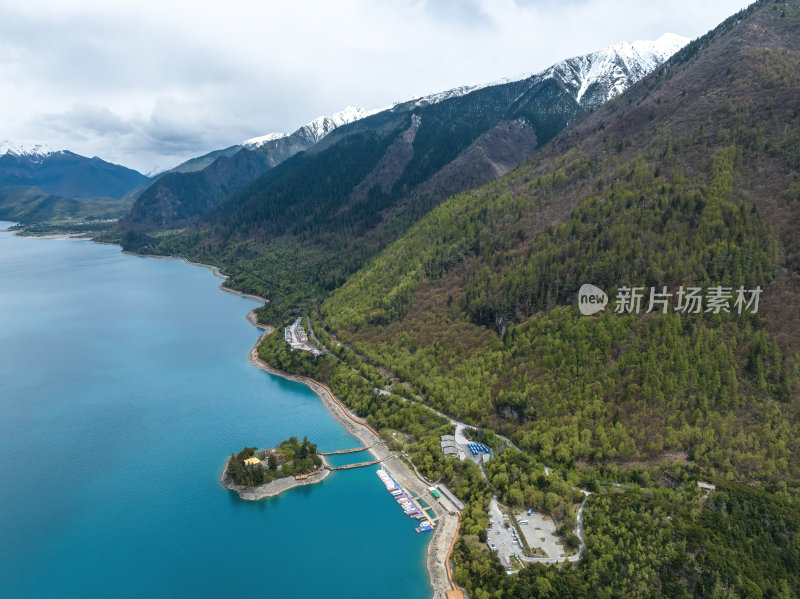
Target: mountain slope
[(189, 166), (192, 189), (31, 205), (64, 173), (298, 230), (689, 178)]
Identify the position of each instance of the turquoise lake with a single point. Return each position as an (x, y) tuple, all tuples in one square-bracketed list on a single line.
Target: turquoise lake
[(124, 385)]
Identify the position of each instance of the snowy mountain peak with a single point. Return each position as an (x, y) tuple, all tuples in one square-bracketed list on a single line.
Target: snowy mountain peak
[(316, 129), (323, 125), (257, 142), (33, 151), (609, 72), (623, 64)]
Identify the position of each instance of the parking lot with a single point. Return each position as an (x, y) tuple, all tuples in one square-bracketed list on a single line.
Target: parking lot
[(502, 540), (540, 531)]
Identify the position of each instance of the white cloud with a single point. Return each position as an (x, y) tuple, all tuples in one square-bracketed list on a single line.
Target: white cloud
[(151, 83)]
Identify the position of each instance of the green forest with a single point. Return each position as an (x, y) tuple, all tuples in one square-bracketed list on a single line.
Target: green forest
[(650, 531), (509, 351)]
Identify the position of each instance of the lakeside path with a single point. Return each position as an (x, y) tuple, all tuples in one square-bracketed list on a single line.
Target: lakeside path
[(438, 550)]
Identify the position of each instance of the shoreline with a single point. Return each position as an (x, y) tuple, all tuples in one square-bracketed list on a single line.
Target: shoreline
[(438, 550), (215, 270), (274, 487), (51, 236)]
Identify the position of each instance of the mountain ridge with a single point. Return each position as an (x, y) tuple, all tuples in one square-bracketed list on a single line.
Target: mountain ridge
[(60, 171), (333, 219), (657, 186), (194, 187)]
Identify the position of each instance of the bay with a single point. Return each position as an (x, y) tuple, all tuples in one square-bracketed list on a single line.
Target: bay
[(124, 384)]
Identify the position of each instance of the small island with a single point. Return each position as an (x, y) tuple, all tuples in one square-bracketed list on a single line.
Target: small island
[(257, 474)]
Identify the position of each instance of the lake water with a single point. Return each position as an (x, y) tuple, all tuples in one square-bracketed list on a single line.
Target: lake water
[(124, 384)]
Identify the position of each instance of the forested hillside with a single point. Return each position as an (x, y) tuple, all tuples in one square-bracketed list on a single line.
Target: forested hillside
[(689, 179), (299, 230), (467, 303), (476, 305), (32, 205)]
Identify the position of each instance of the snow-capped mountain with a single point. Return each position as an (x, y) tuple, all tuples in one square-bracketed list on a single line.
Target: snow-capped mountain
[(33, 151), (603, 74), (316, 129), (63, 173), (538, 107), (600, 76), (256, 142), (198, 185)]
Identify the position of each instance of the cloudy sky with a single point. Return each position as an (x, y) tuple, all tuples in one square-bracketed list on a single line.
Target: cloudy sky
[(149, 84)]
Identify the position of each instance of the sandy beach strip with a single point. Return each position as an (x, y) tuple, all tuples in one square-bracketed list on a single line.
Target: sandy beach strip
[(447, 526)]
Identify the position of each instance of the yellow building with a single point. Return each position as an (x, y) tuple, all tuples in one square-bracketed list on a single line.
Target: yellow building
[(254, 461)]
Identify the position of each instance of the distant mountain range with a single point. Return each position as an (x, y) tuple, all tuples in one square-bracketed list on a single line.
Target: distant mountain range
[(40, 185), (64, 173), (337, 191)]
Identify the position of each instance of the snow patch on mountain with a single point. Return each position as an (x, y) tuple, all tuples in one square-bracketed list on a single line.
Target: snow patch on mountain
[(257, 142), (323, 125), (31, 151), (445, 95), (316, 129), (615, 68)]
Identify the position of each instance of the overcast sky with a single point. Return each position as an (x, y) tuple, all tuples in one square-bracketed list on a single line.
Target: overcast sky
[(149, 84)]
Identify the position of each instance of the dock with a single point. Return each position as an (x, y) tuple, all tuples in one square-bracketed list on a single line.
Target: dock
[(358, 465), (419, 512), (341, 451)]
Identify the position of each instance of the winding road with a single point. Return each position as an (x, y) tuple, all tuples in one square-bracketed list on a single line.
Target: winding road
[(460, 438)]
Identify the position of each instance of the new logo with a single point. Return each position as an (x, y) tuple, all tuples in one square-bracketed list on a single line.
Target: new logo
[(591, 299)]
